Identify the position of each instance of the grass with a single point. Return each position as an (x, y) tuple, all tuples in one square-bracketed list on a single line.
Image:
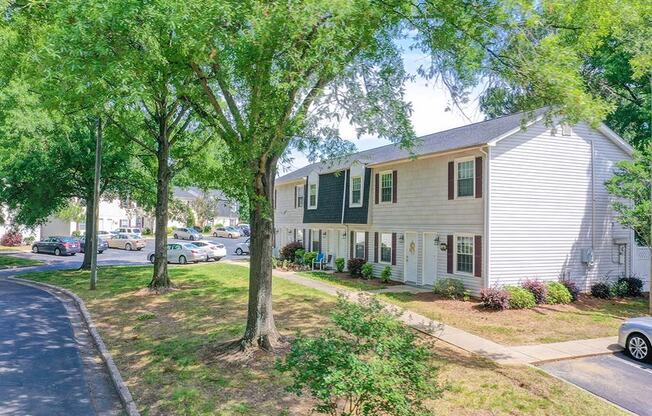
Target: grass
[(15, 248), (12, 261), (587, 318), (162, 346), (344, 281)]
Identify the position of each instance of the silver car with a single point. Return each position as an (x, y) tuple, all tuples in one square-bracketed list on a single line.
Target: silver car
[(187, 234), (634, 336), (182, 253), (243, 248), (213, 250)]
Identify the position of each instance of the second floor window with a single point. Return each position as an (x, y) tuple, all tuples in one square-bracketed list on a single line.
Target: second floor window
[(465, 178), (312, 195), (356, 190), (386, 183), (300, 196)]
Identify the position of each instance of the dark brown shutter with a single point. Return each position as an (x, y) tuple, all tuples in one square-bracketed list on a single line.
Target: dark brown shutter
[(377, 186), (352, 244), (394, 185), (305, 240), (310, 240), (478, 177), (451, 180), (393, 249), (366, 246), (449, 254), (320, 250), (477, 254), (376, 247), (295, 235), (295, 196)]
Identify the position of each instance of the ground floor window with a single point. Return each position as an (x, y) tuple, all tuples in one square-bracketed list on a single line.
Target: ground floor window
[(464, 254), (386, 248), (300, 236), (315, 241), (359, 244), (124, 223)]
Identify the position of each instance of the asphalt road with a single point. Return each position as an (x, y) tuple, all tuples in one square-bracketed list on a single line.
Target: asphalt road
[(615, 377)]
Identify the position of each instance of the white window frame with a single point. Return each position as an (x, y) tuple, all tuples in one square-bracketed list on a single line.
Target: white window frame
[(380, 187), (299, 231), (455, 237), (457, 162), (380, 249), (351, 203), (316, 195), (301, 193), (355, 244)]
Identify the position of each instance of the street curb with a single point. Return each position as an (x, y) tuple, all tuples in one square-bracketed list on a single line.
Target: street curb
[(120, 386)]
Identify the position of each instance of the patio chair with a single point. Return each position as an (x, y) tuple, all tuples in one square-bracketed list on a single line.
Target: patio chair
[(319, 260)]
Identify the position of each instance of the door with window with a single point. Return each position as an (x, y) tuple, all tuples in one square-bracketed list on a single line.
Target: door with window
[(430, 249), (410, 257)]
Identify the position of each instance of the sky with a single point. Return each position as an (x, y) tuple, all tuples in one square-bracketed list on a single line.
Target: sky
[(429, 103)]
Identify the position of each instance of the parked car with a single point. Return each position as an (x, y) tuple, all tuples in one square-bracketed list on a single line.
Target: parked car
[(213, 250), (101, 245), (635, 337), (242, 248), (230, 232), (181, 253), (129, 230), (244, 229), (187, 234), (126, 241), (59, 246)]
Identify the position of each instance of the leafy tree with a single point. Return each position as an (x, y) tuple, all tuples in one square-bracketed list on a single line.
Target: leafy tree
[(632, 185), (368, 364)]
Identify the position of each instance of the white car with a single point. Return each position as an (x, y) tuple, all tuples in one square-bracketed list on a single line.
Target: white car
[(212, 249), (129, 230), (187, 234), (634, 336), (242, 248), (229, 232), (182, 253)]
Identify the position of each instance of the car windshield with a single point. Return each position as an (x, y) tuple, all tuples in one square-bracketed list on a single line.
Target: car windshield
[(68, 239), (198, 244), (133, 236)]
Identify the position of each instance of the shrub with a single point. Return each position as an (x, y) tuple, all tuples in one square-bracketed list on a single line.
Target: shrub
[(572, 288), (170, 230), (355, 266), (386, 275), (207, 229), (601, 290), (558, 293), (494, 298), (339, 264), (29, 240), (309, 257), (368, 363), (11, 239), (538, 289), (631, 286), (289, 251), (520, 298), (367, 271), (449, 288), (298, 256), (76, 234), (147, 231), (619, 289), (274, 262)]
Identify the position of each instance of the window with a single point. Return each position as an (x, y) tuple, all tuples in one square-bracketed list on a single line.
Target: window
[(312, 195), (300, 236), (465, 178), (386, 183), (300, 196), (315, 241), (464, 254), (385, 248), (356, 190), (124, 223), (359, 244)]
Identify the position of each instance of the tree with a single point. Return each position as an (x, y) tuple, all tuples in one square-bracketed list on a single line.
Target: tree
[(205, 208), (632, 184)]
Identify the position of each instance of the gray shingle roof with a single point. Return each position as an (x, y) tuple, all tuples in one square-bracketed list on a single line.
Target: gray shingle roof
[(471, 135)]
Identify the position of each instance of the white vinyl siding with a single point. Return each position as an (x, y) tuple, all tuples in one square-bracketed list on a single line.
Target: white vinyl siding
[(385, 248)]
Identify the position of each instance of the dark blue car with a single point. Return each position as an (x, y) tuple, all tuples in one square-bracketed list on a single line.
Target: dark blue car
[(101, 245), (59, 246)]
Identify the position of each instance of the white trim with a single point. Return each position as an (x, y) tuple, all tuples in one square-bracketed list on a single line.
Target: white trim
[(426, 156), (316, 196), (380, 187), (455, 237), (380, 248), (493, 142), (602, 128), (487, 215), (456, 162), (423, 257), (405, 253), (351, 203), (355, 243)]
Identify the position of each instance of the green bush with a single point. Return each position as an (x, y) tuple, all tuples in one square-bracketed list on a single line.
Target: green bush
[(76, 234), (355, 266), (628, 287), (339, 264), (520, 298), (367, 271), (309, 257), (170, 230), (601, 290), (289, 251), (298, 256), (207, 229), (29, 240), (274, 262), (558, 293), (368, 363), (449, 288), (386, 275)]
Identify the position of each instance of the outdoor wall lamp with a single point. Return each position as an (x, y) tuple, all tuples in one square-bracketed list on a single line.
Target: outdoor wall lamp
[(401, 238), (443, 246)]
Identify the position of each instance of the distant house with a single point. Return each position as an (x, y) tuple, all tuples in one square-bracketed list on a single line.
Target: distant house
[(491, 203), (223, 210)]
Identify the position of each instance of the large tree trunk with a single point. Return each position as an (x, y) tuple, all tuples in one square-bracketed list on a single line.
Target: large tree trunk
[(86, 264), (161, 279), (261, 331)]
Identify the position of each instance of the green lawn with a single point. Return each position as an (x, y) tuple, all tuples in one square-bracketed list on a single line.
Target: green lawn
[(344, 282), (15, 248), (162, 345), (12, 261)]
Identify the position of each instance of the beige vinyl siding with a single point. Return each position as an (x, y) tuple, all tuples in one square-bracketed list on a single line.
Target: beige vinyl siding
[(423, 206), (286, 216), (541, 206)]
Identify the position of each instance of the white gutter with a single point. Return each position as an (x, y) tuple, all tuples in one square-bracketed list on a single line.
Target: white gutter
[(486, 195)]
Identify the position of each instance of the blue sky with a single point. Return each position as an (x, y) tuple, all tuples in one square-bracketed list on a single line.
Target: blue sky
[(429, 104)]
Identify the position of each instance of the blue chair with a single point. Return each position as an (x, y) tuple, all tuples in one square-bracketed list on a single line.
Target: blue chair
[(319, 260)]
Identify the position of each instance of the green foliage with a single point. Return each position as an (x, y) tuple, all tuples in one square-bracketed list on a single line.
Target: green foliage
[(274, 262), (494, 298), (309, 257), (601, 290), (386, 274), (367, 271), (169, 230), (369, 363), (619, 289), (77, 234), (298, 255), (190, 218), (207, 229), (449, 288), (633, 286), (355, 266), (520, 298), (289, 251), (557, 293), (340, 262)]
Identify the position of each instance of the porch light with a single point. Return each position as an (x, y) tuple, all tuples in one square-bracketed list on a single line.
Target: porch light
[(401, 238)]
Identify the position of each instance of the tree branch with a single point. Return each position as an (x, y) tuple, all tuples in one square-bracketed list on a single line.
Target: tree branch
[(131, 136)]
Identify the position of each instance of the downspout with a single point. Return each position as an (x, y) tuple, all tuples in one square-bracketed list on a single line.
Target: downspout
[(486, 215), (592, 196), (346, 174)]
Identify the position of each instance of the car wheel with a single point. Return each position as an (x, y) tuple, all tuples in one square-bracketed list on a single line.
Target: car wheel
[(100, 252), (35, 249), (176, 237), (183, 260), (152, 258), (128, 247), (192, 238), (230, 235), (238, 251), (214, 234), (638, 347), (57, 252), (218, 258), (139, 248)]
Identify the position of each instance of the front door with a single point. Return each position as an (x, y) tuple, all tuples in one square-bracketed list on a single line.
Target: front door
[(331, 245), (430, 249), (410, 258)]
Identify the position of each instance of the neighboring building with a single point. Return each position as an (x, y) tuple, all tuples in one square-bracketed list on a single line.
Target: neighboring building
[(223, 210), (489, 203)]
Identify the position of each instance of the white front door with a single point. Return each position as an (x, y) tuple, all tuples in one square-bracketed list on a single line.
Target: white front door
[(331, 247), (430, 249), (410, 258), (342, 246)]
